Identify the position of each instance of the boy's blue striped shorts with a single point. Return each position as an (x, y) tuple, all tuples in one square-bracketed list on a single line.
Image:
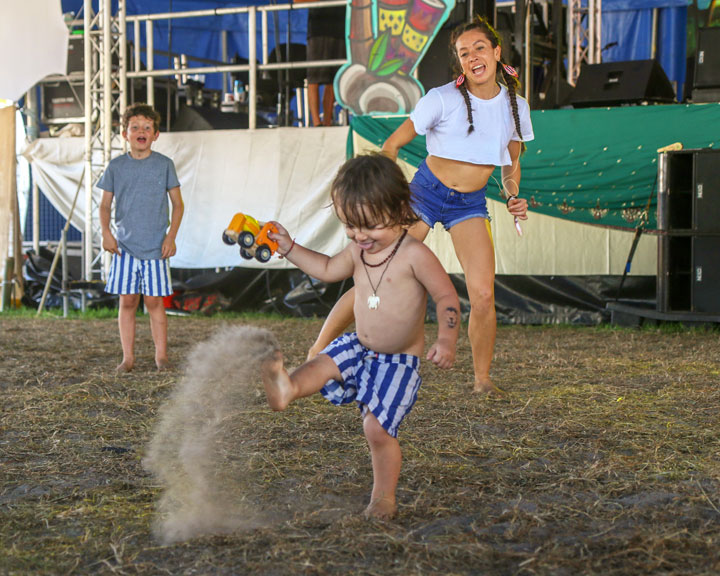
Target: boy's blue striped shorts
[(384, 384), (130, 275)]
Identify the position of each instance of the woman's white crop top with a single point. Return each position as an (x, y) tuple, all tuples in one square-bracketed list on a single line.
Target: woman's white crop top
[(441, 115)]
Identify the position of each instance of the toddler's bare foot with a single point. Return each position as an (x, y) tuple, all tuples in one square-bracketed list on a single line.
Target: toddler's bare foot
[(276, 381), (162, 364), (124, 367), (487, 387), (381, 509)]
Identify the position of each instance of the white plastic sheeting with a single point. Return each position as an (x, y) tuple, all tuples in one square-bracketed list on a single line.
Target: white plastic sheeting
[(279, 174), (33, 44)]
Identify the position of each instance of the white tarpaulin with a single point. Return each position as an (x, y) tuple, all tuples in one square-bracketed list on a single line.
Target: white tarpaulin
[(284, 174), (33, 44), (549, 246), (279, 174)]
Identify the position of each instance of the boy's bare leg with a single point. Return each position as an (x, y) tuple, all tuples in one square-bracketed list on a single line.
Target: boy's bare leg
[(337, 321), (126, 325), (386, 462), (158, 328), (282, 388)]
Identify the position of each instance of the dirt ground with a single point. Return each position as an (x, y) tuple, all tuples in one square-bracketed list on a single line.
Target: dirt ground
[(604, 458)]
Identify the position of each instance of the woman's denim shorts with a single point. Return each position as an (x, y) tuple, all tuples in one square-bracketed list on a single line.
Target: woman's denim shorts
[(434, 202)]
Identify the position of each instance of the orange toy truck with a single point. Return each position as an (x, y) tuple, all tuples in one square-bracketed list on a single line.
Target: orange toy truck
[(252, 236)]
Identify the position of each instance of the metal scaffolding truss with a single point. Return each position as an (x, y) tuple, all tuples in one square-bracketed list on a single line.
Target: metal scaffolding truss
[(585, 32), (105, 102), (106, 76)]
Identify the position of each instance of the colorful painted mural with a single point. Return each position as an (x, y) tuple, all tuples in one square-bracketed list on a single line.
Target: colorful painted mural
[(386, 39)]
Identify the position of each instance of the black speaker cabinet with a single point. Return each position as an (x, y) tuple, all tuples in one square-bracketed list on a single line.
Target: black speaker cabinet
[(707, 59), (616, 83), (689, 274), (76, 55), (689, 222), (689, 191), (705, 73), (62, 102)]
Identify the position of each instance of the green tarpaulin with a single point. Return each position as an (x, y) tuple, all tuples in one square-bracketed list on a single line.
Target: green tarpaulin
[(596, 166)]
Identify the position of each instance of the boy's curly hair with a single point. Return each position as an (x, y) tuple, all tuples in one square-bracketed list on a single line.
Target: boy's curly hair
[(141, 109)]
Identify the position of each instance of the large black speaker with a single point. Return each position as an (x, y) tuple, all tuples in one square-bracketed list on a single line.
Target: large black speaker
[(689, 274), (76, 54), (689, 222), (62, 102), (707, 59), (616, 83), (705, 73), (689, 191)]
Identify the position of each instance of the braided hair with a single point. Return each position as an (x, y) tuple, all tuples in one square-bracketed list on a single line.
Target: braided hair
[(512, 83)]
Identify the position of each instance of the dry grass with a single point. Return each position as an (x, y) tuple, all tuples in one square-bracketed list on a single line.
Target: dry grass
[(604, 459)]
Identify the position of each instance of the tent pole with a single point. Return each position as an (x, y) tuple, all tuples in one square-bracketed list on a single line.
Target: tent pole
[(150, 61), (252, 60), (61, 246), (87, 167)]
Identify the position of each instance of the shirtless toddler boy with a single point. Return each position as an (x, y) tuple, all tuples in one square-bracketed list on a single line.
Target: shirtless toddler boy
[(376, 366)]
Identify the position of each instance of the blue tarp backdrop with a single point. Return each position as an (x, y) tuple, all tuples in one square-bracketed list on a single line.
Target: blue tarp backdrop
[(626, 30), (201, 37)]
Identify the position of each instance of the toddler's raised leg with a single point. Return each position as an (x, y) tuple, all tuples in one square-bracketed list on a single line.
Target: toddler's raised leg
[(282, 388), (276, 379)]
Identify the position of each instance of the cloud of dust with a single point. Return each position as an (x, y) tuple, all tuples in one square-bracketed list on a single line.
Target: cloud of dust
[(202, 446)]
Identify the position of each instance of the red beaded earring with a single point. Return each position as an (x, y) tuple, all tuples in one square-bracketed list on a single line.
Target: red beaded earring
[(460, 80)]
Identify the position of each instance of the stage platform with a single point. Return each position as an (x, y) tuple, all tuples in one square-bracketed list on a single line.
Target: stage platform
[(636, 315)]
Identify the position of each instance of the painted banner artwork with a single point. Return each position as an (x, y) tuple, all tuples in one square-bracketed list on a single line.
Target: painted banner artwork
[(386, 39)]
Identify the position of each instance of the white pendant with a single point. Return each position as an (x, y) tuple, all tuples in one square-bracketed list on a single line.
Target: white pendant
[(373, 302)]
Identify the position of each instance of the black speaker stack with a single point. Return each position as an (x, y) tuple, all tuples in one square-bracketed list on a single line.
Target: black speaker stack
[(689, 227), (618, 83), (706, 72)]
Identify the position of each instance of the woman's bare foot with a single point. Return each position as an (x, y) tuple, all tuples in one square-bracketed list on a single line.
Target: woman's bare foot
[(162, 364), (381, 509), (277, 382), (487, 387), (124, 367)]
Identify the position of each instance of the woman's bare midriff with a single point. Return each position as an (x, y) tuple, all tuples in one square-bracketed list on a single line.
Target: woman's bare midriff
[(460, 176)]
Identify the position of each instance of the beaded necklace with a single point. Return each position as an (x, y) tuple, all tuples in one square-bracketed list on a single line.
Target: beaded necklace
[(374, 299)]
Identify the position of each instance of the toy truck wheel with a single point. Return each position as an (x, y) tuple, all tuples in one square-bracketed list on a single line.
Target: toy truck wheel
[(263, 253), (246, 239), (229, 241), (245, 254)]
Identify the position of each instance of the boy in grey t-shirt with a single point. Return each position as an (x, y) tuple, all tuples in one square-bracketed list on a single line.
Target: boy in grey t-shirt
[(140, 183)]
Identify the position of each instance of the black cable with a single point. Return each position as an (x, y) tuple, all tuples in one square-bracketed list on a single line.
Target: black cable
[(638, 232)]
